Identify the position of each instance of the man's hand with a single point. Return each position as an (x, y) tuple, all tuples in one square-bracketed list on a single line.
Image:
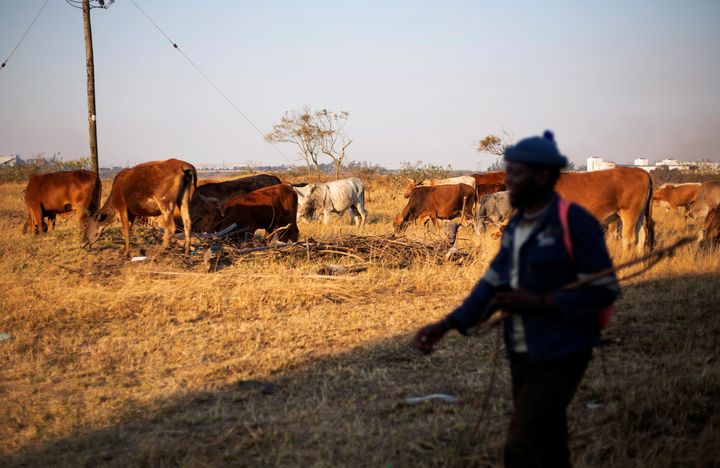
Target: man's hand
[(429, 335), (522, 301)]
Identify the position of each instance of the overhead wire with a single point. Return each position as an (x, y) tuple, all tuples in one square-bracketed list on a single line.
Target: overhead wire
[(207, 78), (23, 36)]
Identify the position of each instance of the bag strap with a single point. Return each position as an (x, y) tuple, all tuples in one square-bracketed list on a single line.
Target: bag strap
[(563, 209)]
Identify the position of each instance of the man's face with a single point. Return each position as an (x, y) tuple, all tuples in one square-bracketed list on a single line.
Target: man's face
[(524, 183)]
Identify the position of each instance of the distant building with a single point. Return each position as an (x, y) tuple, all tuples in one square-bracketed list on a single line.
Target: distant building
[(641, 162), (9, 161), (599, 164)]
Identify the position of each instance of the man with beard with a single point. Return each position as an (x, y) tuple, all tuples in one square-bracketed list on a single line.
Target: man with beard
[(549, 333)]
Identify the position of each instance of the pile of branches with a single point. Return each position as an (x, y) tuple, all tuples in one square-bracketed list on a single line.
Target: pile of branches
[(387, 250)]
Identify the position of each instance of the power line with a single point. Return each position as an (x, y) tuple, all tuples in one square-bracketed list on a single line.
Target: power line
[(207, 78), (23, 36)]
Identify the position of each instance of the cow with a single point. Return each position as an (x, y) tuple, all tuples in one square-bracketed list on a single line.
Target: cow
[(205, 213), (150, 189), (48, 195), (676, 196), (468, 180), (493, 209), (269, 208), (624, 191), (337, 196), (710, 232), (438, 202), (707, 199), (225, 191), (489, 178)]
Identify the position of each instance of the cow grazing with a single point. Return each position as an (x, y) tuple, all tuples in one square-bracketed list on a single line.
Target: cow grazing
[(710, 232), (337, 196), (48, 195), (439, 202), (225, 191), (205, 213), (493, 209), (149, 189), (624, 191), (707, 199), (467, 180), (676, 196), (268, 208)]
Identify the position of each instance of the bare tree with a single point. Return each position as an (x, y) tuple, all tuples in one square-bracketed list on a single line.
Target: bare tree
[(299, 128), (495, 146), (333, 140)]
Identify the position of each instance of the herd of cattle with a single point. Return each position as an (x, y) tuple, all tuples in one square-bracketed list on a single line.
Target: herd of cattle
[(170, 190)]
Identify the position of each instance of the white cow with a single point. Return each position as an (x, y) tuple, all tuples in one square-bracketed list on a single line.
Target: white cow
[(332, 197)]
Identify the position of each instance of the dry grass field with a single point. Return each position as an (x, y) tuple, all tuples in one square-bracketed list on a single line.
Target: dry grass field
[(264, 363)]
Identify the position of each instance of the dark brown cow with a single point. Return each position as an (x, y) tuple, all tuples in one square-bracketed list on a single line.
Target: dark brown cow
[(268, 208), (55, 193), (710, 232), (149, 189), (225, 191), (676, 196), (439, 202)]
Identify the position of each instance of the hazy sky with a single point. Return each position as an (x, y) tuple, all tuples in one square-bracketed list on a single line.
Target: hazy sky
[(421, 80)]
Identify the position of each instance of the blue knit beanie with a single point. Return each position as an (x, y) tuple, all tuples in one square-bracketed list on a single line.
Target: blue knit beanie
[(537, 151)]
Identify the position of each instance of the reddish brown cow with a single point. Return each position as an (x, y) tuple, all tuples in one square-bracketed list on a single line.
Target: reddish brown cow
[(489, 178), (149, 189), (676, 196), (439, 202), (489, 188), (624, 191), (268, 208), (55, 193), (710, 232), (225, 191)]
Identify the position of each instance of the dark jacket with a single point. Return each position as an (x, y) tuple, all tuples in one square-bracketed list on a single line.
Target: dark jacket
[(545, 266)]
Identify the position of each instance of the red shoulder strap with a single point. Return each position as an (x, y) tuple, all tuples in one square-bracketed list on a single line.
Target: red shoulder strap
[(563, 208)]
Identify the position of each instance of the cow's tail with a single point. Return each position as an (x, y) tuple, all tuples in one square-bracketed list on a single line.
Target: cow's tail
[(649, 223)]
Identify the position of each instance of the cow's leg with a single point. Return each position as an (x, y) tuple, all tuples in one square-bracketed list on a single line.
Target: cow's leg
[(51, 219), (326, 216), (630, 226), (35, 218), (125, 221), (187, 221), (169, 225)]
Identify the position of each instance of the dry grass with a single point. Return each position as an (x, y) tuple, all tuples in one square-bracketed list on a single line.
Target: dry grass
[(109, 363)]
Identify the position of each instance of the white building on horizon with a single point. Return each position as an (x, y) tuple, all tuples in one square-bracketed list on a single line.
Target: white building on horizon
[(598, 164)]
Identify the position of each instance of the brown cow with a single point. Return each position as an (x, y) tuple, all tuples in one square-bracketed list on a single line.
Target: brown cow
[(55, 193), (225, 191), (268, 208), (707, 199), (489, 178), (676, 196), (710, 232), (148, 189), (623, 191), (439, 202)]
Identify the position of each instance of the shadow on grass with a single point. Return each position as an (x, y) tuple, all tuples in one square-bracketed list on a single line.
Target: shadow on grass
[(658, 404)]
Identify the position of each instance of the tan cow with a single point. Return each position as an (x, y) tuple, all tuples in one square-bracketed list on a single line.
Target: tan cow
[(676, 196), (467, 180), (149, 189), (229, 189), (710, 232), (707, 199), (48, 195), (623, 191)]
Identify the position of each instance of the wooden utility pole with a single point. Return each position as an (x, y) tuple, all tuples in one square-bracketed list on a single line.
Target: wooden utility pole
[(90, 63)]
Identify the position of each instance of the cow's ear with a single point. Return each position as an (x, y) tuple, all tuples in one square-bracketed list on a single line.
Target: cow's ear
[(101, 217)]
